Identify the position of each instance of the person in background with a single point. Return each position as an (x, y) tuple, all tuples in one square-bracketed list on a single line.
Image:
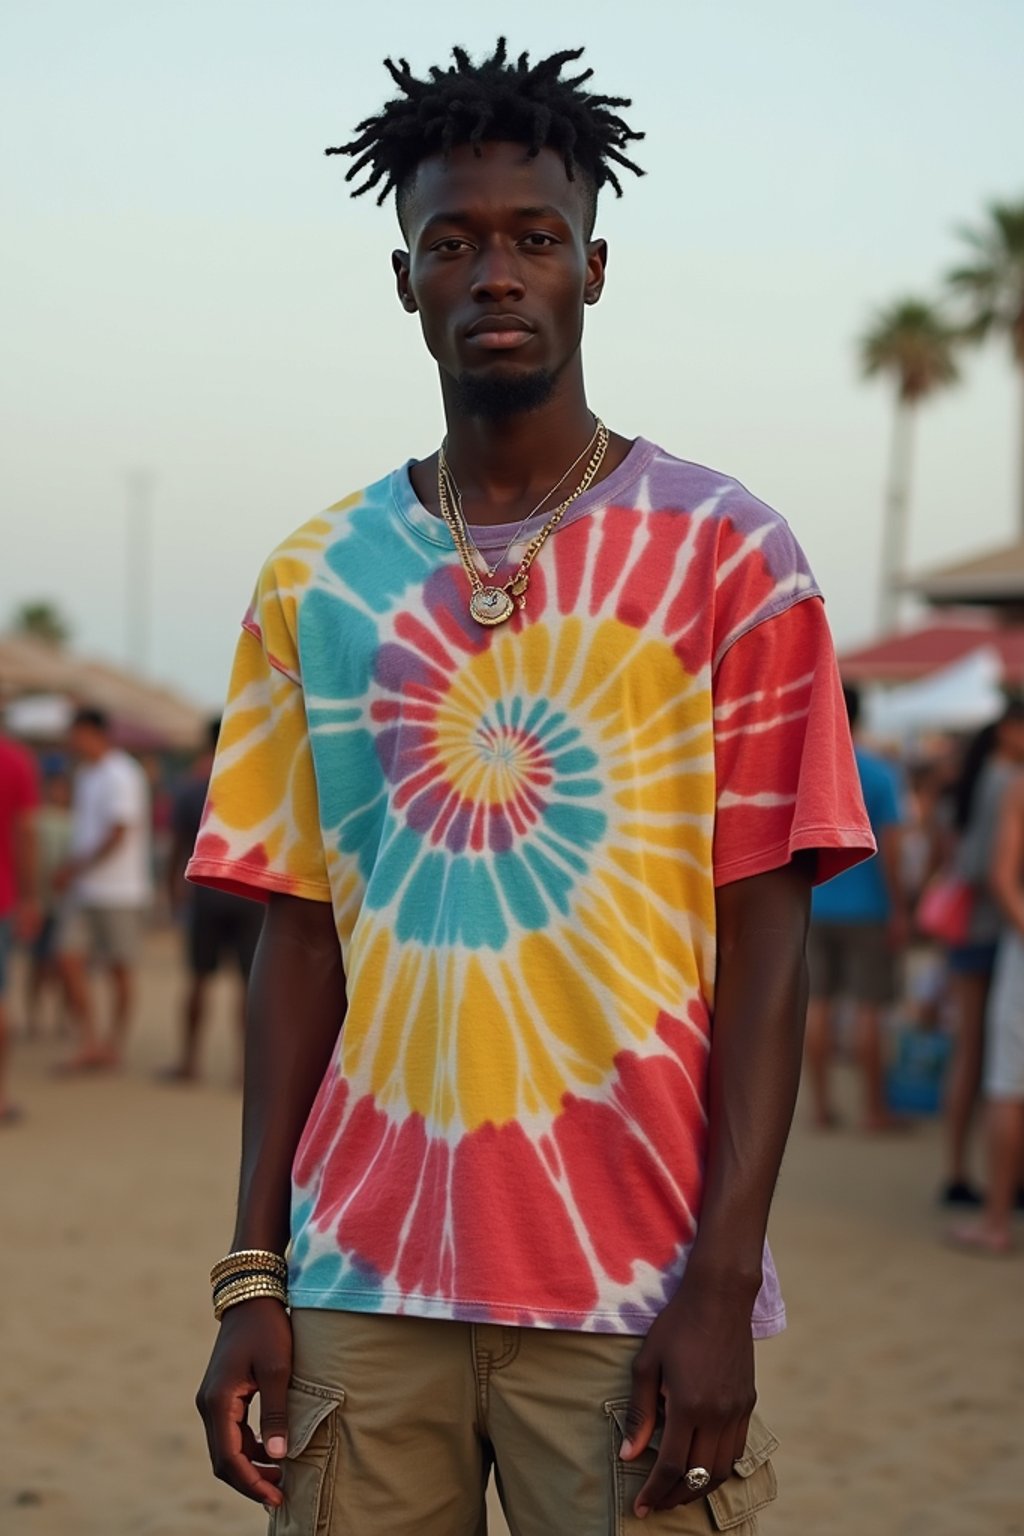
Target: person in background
[(216, 923), (53, 822), (991, 762), (1004, 1052), (109, 883), (859, 926), (19, 905)]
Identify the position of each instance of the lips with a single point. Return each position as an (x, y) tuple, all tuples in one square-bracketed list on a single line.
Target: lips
[(499, 333), (498, 324)]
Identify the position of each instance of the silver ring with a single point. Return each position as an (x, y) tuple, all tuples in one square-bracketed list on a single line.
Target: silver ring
[(697, 1479)]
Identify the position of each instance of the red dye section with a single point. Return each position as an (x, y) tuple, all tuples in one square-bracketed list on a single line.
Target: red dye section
[(626, 1195), (644, 589), (513, 1236), (321, 1128), (617, 531), (426, 1260)]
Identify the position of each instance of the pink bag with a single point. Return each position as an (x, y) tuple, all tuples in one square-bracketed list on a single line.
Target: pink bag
[(944, 911)]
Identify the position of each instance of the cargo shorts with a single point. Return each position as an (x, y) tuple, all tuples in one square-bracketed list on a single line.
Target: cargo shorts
[(395, 1424)]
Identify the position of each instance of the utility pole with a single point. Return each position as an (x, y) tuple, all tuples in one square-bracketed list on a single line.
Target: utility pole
[(138, 599)]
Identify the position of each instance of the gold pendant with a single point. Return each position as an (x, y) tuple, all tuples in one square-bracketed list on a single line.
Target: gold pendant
[(491, 605)]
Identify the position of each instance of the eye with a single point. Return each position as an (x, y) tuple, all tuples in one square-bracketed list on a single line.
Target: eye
[(451, 245), (538, 239)]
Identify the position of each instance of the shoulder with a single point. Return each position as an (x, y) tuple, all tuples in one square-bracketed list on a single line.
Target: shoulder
[(743, 553), (717, 499), (293, 567)]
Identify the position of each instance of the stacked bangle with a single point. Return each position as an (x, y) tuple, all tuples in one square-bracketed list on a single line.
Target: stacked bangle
[(246, 1275)]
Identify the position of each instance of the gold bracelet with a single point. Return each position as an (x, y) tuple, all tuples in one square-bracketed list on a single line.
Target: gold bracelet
[(249, 1291), (249, 1259)]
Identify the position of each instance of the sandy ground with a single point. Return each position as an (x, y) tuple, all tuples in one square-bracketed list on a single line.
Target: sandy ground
[(897, 1393)]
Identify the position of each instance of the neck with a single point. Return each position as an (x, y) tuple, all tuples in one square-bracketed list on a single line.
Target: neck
[(502, 462)]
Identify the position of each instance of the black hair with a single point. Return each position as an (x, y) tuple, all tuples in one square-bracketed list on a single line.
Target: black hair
[(95, 719), (976, 755), (851, 698), (467, 103), (212, 732)]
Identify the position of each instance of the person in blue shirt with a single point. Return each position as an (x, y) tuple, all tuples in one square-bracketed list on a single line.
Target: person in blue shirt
[(859, 925)]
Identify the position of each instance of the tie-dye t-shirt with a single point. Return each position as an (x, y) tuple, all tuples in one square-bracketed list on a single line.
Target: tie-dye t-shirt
[(521, 830)]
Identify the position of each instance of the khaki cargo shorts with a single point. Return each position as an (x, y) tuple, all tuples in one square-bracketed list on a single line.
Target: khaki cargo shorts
[(111, 935), (395, 1424)]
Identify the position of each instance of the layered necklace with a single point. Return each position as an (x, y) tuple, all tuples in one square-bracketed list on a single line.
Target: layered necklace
[(491, 604)]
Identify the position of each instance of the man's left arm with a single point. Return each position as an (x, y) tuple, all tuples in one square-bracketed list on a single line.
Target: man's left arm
[(697, 1363)]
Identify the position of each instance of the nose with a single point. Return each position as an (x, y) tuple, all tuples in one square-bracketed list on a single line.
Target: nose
[(496, 275)]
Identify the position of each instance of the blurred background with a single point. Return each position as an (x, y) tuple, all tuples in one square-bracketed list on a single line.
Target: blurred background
[(819, 288)]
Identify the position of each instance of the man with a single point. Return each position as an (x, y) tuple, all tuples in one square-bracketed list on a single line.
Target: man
[(19, 908), (992, 1233), (109, 883), (216, 924), (859, 926), (534, 748)]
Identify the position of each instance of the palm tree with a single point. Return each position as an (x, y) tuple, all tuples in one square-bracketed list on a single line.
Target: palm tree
[(992, 288), (911, 343), (43, 621)]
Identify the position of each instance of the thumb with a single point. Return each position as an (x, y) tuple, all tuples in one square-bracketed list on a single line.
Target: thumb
[(641, 1413), (273, 1388)]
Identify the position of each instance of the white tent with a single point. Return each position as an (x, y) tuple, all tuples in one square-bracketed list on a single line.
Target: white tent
[(962, 697)]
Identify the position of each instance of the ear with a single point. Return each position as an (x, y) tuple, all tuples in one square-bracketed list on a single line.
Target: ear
[(400, 263), (597, 263)]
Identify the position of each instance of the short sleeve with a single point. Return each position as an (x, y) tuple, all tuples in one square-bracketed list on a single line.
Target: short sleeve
[(786, 776), (261, 825)]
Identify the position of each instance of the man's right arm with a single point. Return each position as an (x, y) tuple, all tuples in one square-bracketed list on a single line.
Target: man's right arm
[(295, 1012)]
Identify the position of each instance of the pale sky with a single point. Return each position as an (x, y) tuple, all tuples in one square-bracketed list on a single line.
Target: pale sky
[(186, 289)]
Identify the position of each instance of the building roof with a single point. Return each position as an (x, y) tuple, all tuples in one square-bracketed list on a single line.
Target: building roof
[(144, 715), (911, 654), (996, 579)]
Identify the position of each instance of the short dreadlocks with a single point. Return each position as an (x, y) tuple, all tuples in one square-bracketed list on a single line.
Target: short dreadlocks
[(468, 103)]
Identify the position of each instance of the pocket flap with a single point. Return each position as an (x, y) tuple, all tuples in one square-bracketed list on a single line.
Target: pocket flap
[(309, 1404), (754, 1484)]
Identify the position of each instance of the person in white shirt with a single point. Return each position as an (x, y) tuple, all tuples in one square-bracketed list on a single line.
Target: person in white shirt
[(109, 884)]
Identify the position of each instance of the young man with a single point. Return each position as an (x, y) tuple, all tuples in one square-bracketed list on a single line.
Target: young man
[(859, 926), (217, 925), (534, 748), (19, 872), (108, 879)]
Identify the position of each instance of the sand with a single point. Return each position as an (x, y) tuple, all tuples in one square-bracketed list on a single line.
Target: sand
[(897, 1393)]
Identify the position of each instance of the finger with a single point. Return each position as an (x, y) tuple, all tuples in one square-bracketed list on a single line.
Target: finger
[(642, 1411), (273, 1387), (671, 1465), (225, 1418)]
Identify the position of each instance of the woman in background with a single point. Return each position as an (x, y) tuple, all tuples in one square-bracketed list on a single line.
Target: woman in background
[(992, 760)]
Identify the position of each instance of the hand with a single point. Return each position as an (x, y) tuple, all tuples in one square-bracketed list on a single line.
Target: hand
[(698, 1363), (253, 1353)]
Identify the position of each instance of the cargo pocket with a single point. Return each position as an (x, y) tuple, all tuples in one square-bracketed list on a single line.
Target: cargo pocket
[(308, 1470), (753, 1485), (731, 1507)]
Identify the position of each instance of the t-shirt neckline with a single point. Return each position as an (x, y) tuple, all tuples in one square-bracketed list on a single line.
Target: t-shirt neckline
[(494, 536)]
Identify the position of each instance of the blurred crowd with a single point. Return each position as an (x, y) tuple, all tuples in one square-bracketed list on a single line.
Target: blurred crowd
[(916, 959)]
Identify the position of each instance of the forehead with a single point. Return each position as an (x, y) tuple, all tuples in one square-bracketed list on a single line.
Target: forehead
[(503, 177)]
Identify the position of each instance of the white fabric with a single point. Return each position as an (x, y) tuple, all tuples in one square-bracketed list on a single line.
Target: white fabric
[(112, 793)]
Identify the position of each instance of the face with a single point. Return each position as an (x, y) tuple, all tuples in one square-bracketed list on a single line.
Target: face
[(86, 743), (499, 266)]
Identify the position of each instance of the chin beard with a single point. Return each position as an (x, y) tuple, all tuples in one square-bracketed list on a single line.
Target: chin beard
[(495, 396)]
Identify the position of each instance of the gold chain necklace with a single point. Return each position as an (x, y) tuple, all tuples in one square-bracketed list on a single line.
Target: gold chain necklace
[(455, 496), (490, 605)]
